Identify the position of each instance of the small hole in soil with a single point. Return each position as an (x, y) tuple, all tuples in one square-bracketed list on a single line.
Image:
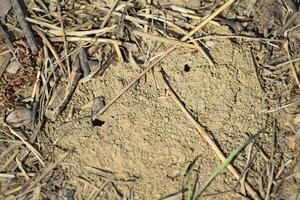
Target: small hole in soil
[(186, 68), (97, 122)]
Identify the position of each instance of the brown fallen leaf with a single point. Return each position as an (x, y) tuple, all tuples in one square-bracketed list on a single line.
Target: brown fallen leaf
[(19, 117), (95, 105)]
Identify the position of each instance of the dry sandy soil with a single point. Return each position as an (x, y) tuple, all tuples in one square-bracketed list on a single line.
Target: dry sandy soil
[(146, 141), (145, 135)]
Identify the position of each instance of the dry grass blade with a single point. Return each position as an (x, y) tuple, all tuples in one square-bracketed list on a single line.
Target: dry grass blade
[(206, 136), (216, 37), (107, 17), (162, 39), (208, 19), (220, 169), (118, 52), (5, 64), (37, 193), (255, 69), (292, 65), (6, 37), (122, 177), (71, 87), (20, 166), (97, 191), (45, 172), (174, 196), (29, 146), (49, 45), (83, 33), (41, 23), (85, 39), (64, 37)]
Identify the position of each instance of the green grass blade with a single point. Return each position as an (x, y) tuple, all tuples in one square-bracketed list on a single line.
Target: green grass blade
[(220, 169)]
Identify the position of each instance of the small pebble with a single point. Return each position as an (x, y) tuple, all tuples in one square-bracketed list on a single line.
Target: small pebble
[(13, 67)]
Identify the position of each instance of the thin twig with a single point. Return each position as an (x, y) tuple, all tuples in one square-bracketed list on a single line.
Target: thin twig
[(292, 65), (45, 173), (64, 38), (82, 33), (288, 62), (49, 45), (208, 19), (29, 146), (216, 37), (147, 11), (84, 39), (107, 17), (5, 64), (162, 39), (7, 39), (255, 69)]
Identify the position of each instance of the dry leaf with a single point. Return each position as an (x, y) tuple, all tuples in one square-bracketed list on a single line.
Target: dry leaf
[(95, 105), (5, 7), (19, 117), (84, 62)]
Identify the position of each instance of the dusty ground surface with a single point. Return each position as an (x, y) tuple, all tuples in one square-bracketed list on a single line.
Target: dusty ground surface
[(146, 135), (146, 141)]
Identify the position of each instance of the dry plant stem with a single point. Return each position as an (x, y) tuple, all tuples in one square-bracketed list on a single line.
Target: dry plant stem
[(25, 26), (38, 179), (162, 39), (6, 37), (85, 39), (215, 37), (148, 10), (107, 17), (118, 52), (292, 65), (9, 43), (207, 137), (82, 33), (271, 172), (21, 168), (97, 191), (255, 66), (29, 146), (135, 80), (288, 62), (208, 19), (126, 17), (282, 107), (48, 44), (71, 87), (5, 64), (181, 31), (64, 37), (41, 23)]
